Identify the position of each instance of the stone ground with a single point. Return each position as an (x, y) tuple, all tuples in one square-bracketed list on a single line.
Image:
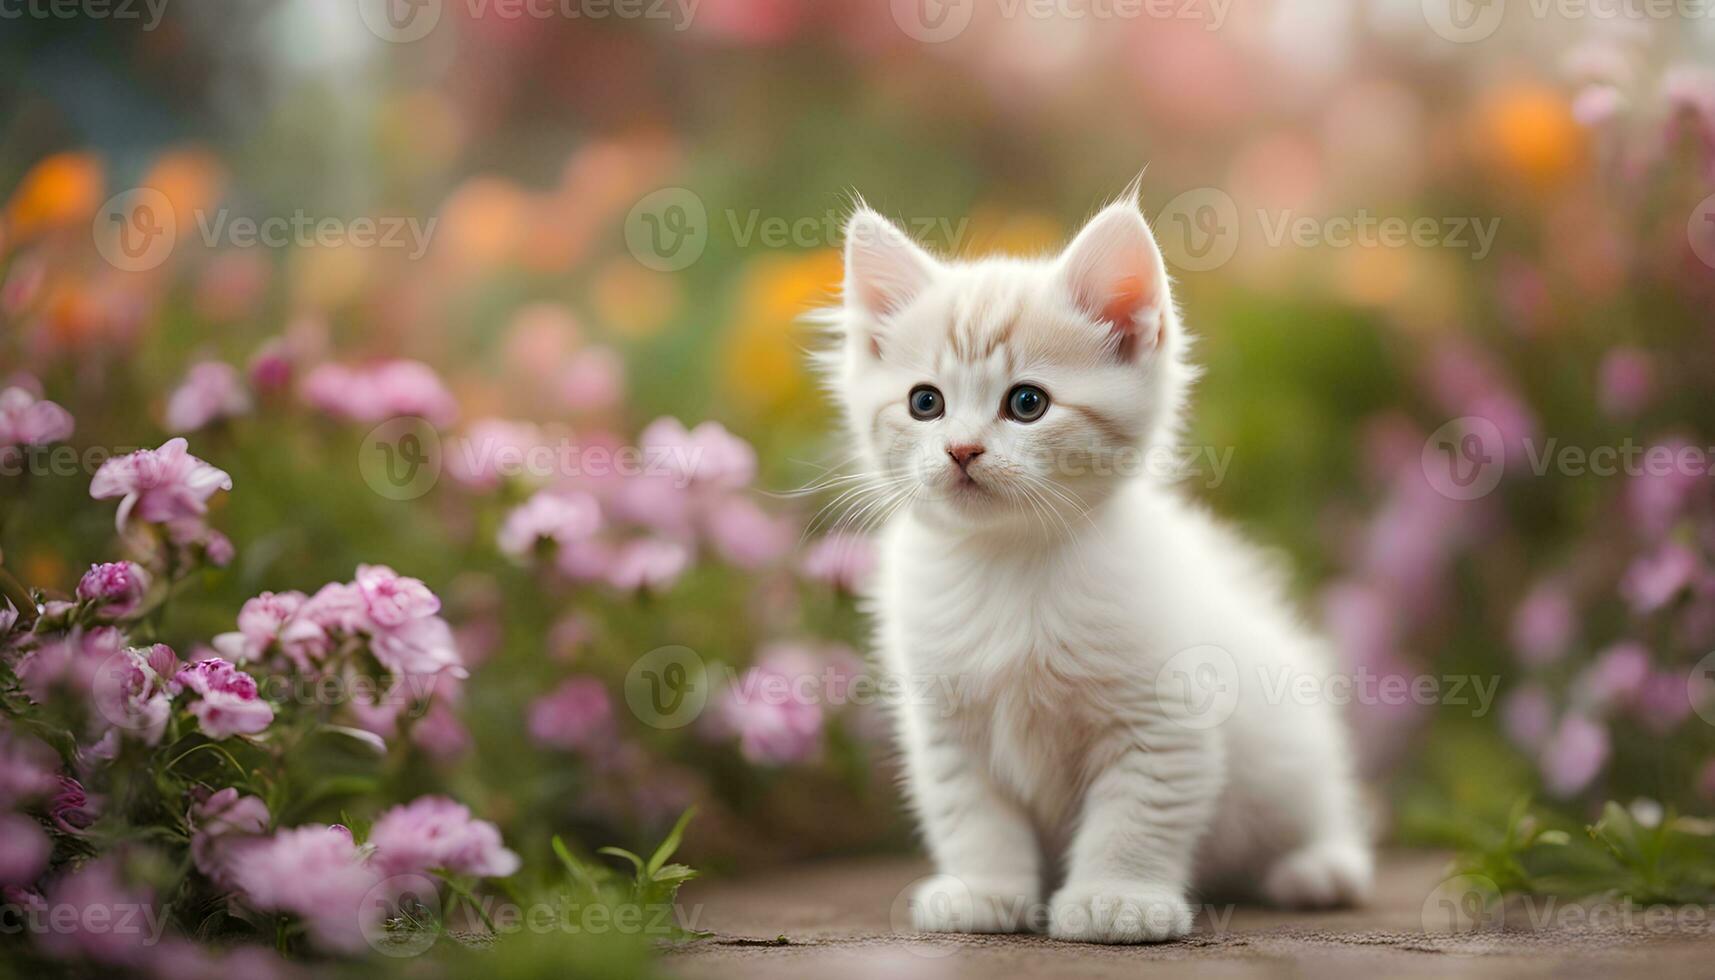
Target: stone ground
[(835, 920)]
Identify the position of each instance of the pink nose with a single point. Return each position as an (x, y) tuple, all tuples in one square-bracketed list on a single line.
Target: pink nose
[(963, 455)]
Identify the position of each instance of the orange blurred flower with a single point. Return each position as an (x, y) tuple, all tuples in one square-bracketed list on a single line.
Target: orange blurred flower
[(62, 189), (194, 180), (1527, 132)]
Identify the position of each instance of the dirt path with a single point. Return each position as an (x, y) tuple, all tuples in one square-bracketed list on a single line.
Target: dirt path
[(836, 920)]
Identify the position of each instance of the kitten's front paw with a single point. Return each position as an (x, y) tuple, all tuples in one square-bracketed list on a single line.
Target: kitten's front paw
[(947, 903), (1118, 912), (1321, 875)]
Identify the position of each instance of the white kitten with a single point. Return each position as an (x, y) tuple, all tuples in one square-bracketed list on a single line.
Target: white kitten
[(1124, 718)]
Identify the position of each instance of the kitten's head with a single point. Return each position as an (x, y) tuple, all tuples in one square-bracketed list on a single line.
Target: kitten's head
[(1007, 390)]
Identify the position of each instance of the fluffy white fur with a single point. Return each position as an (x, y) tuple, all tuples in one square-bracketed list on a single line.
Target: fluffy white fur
[(1046, 595)]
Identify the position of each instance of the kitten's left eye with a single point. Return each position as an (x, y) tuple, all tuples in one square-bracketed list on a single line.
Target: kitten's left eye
[(1026, 403)]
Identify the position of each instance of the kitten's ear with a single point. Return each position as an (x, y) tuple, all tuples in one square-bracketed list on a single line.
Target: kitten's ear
[(885, 269), (1115, 274)]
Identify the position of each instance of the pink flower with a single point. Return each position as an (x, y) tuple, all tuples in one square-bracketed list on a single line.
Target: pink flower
[(228, 702), (271, 366), (382, 391), (221, 823), (24, 849), (649, 564), (707, 456), (72, 810), (1527, 716), (593, 380), (27, 768), (1596, 104), (338, 607), (421, 647), (576, 715), (132, 696), (1656, 496), (113, 923), (842, 560), (315, 873), (1663, 702), (1575, 753), (276, 618), (440, 733), (490, 451), (745, 535), (1543, 625), (391, 599), (774, 712), (433, 832), (1655, 580), (114, 589), (1625, 382), (159, 485), (552, 516), (1617, 675), (27, 420), (212, 391)]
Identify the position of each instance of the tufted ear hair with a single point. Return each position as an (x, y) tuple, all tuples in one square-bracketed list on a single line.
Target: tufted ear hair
[(885, 269), (1116, 275)]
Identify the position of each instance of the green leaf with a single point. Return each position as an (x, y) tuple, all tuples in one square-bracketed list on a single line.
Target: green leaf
[(671, 843), (621, 852)]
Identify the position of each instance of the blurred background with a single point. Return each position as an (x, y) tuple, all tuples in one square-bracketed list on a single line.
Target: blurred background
[(1396, 226)]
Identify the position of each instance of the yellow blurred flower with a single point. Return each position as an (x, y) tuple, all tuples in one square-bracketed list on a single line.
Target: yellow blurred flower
[(1527, 132), (62, 189), (763, 365), (632, 300)]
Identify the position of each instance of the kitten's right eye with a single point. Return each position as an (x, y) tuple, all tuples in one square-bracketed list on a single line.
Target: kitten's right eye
[(926, 403)]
